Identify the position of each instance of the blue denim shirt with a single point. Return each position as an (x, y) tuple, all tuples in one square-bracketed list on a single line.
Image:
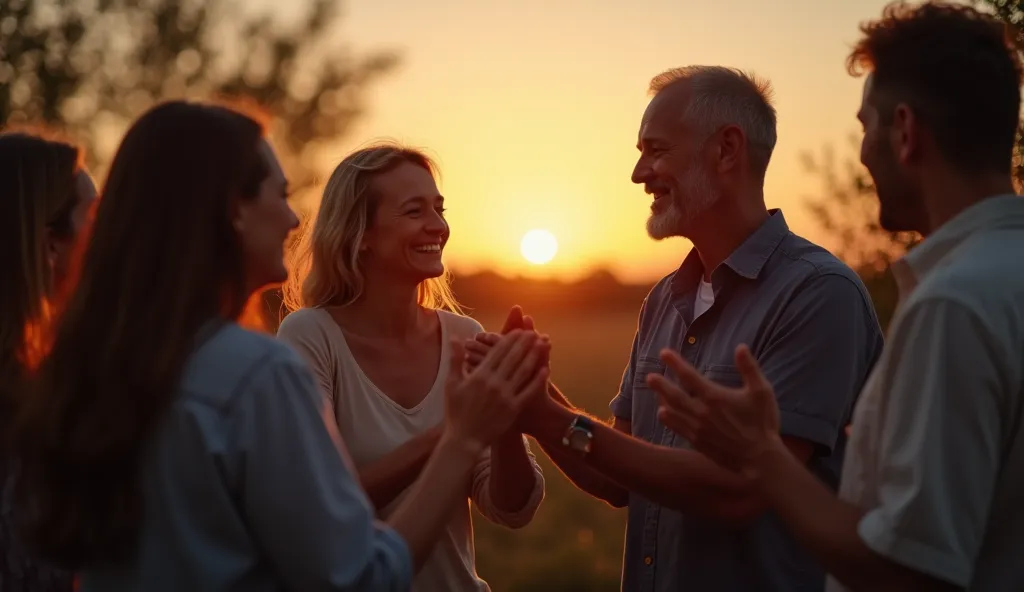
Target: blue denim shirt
[(810, 323), (244, 488)]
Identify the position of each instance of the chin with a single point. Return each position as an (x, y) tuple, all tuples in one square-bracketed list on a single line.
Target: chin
[(896, 216), (431, 273), (664, 225)]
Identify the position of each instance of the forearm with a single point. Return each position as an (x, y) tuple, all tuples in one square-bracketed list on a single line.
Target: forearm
[(576, 470), (512, 478), (434, 496), (827, 526), (387, 477), (680, 479)]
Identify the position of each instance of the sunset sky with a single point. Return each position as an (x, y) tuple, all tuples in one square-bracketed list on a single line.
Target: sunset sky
[(532, 109)]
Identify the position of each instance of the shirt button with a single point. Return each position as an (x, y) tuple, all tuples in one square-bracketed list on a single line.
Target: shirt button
[(691, 340), (648, 561)]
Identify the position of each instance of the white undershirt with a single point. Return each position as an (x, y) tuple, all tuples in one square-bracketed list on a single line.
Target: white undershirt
[(704, 299)]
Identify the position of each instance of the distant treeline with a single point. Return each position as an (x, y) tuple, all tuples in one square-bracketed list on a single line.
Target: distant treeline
[(600, 291), (489, 291)]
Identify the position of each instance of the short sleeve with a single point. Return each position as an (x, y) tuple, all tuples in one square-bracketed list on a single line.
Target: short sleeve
[(622, 404), (302, 503), (941, 433), (818, 357), (306, 335)]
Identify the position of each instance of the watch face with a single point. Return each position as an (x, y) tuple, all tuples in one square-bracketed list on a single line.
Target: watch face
[(579, 440)]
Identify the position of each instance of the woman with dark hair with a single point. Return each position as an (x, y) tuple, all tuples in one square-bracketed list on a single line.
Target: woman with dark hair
[(45, 196), (166, 447)]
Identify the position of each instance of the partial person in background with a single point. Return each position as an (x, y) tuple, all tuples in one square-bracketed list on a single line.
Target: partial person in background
[(931, 491), (373, 316), (166, 448), (705, 142), (45, 198)]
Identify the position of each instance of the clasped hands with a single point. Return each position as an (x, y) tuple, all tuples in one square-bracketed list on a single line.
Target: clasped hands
[(738, 428)]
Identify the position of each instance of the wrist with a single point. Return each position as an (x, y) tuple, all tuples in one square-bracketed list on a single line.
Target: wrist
[(768, 468), (537, 415), (459, 447)]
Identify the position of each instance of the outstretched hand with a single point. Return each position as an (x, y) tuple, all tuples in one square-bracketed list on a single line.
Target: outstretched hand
[(732, 426)]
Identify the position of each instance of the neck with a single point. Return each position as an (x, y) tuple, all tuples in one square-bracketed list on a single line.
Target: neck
[(386, 308), (725, 226), (947, 193)]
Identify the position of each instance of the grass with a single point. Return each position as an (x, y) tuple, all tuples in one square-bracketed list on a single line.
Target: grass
[(574, 542)]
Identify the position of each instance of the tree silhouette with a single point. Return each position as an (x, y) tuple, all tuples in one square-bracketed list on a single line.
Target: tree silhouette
[(89, 68)]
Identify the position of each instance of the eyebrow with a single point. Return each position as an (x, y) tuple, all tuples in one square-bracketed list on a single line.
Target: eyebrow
[(413, 198), (651, 142)]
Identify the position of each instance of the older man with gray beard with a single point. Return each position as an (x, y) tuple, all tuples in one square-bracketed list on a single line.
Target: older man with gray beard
[(705, 142)]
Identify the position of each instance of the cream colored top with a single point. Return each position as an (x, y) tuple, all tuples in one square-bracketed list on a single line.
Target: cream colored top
[(372, 425)]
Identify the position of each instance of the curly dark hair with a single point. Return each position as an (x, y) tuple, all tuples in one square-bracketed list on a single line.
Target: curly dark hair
[(959, 71), (163, 259)]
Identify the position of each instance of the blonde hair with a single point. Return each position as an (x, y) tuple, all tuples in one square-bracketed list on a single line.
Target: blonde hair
[(324, 265)]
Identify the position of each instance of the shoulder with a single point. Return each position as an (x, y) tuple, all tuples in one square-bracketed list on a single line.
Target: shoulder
[(232, 360), (984, 277), (305, 321), (807, 265), (459, 325)]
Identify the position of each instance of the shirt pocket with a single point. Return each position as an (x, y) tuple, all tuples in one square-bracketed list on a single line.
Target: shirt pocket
[(645, 401), (726, 375)]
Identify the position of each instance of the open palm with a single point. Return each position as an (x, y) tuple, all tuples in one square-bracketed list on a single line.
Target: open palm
[(732, 426)]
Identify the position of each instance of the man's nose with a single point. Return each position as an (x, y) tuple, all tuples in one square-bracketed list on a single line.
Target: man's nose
[(641, 172)]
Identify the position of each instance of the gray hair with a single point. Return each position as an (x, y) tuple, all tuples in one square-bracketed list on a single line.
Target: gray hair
[(722, 96)]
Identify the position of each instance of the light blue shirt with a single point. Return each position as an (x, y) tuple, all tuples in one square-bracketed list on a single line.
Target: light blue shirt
[(245, 489)]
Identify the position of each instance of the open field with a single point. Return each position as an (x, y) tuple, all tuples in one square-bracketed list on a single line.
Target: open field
[(575, 542)]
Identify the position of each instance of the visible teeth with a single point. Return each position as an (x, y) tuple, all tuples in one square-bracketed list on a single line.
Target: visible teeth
[(429, 249)]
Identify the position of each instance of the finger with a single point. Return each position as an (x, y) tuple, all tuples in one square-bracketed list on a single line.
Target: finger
[(535, 387), (677, 422), (676, 397), (514, 320), (474, 347), (691, 380), (524, 343), (458, 357), (488, 339), (527, 368), (528, 323), (473, 360), (750, 370), (500, 351)]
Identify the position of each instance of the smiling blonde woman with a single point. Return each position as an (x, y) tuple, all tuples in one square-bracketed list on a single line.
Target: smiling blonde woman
[(374, 316)]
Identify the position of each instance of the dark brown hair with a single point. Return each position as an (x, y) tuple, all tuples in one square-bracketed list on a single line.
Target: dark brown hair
[(957, 69), (37, 197), (163, 259)]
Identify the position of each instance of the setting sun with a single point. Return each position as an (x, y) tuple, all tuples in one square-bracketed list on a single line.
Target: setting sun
[(538, 246)]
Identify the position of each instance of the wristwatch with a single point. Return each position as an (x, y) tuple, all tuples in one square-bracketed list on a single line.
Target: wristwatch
[(579, 434)]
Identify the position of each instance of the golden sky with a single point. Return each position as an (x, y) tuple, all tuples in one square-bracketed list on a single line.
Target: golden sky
[(532, 109)]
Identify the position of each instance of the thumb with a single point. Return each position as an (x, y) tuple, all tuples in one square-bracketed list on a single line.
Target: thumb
[(753, 378), (457, 360)]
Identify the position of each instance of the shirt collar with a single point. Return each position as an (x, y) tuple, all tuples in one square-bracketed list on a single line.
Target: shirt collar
[(748, 260), (993, 212)]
